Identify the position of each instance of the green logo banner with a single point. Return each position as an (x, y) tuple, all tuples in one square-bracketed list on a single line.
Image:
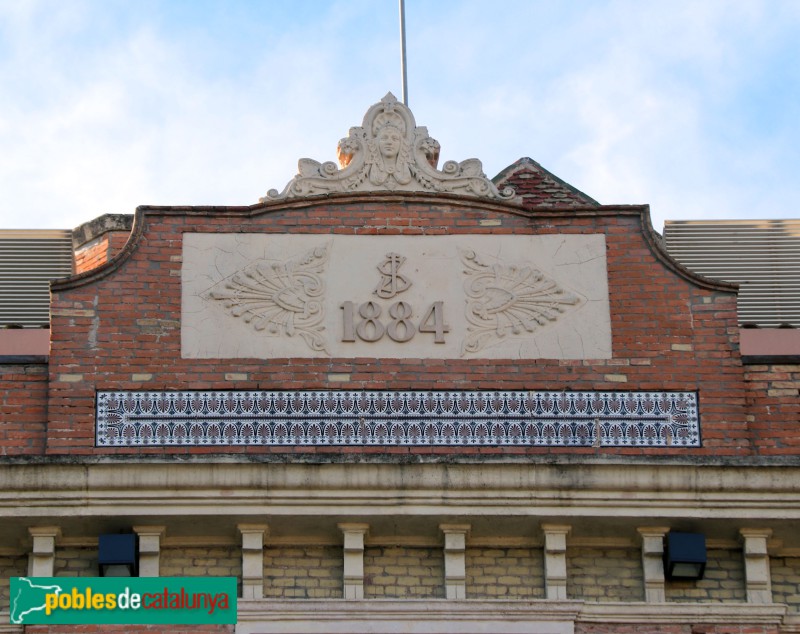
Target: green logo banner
[(123, 601)]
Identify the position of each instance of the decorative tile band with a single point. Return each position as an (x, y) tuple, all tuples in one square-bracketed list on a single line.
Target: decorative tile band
[(418, 418)]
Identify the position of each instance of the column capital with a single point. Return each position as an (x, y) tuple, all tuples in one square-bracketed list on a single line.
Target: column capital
[(253, 528), (45, 531), (652, 531), (150, 531)]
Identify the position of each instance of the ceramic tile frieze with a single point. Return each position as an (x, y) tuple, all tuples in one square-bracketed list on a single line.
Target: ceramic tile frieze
[(416, 418)]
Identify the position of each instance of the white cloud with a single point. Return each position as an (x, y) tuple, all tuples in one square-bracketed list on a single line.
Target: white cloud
[(631, 102)]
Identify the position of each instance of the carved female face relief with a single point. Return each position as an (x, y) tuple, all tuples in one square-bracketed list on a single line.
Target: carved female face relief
[(388, 152), (389, 141)]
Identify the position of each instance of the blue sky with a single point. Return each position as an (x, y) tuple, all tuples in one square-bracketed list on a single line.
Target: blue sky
[(690, 106)]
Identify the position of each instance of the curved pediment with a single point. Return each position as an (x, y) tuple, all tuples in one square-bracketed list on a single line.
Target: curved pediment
[(388, 152)]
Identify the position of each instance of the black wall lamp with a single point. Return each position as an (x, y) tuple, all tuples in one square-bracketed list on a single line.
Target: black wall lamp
[(685, 556), (117, 555)]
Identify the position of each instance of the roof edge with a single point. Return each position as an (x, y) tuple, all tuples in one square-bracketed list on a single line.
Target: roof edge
[(525, 161)]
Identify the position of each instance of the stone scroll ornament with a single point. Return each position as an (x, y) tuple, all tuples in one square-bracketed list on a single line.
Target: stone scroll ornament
[(388, 152), (505, 300), (283, 298)]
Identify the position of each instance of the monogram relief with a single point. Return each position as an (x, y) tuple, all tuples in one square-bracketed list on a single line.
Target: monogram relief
[(392, 282)]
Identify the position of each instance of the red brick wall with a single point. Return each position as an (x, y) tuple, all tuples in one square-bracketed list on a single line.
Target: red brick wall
[(23, 413), (774, 404), (99, 251), (92, 255), (668, 333)]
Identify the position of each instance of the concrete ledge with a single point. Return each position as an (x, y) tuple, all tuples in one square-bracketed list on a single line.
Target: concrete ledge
[(377, 616)]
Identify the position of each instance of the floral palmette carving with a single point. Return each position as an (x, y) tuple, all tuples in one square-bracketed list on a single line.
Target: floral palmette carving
[(389, 152), (505, 300), (283, 298)]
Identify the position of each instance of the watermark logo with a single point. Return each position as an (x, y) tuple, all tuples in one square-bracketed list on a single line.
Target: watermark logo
[(123, 601)]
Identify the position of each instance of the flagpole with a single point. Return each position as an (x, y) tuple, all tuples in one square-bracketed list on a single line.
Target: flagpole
[(403, 50)]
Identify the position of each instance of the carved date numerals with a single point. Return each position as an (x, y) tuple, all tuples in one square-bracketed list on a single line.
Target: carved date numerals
[(399, 328)]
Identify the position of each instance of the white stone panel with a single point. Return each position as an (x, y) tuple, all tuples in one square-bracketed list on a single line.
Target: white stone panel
[(481, 296)]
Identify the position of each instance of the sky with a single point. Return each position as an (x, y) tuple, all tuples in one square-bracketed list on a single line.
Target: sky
[(690, 106)]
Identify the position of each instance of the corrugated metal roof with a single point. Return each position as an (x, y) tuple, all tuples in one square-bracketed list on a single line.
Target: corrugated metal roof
[(762, 256), (28, 261)]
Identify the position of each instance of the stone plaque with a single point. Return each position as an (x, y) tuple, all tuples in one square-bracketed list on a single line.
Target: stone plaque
[(466, 296)]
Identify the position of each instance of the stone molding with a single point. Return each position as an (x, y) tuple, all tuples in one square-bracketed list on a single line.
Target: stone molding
[(377, 616), (478, 616), (357, 489), (388, 152), (673, 612), (6, 627)]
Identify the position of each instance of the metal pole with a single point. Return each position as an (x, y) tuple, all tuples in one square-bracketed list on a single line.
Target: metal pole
[(403, 50)]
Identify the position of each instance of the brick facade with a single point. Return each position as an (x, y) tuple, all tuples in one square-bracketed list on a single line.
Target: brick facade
[(117, 326), (23, 408)]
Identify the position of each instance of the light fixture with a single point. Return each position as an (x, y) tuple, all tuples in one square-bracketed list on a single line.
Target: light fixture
[(685, 556), (117, 555)]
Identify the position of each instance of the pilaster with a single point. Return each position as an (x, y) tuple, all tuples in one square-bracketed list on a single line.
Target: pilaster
[(756, 564), (149, 549), (555, 560), (354, 559), (653, 562), (253, 559), (42, 559), (455, 567)]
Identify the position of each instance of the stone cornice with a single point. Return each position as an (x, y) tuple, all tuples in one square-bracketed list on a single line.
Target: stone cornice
[(503, 616), (524, 490)]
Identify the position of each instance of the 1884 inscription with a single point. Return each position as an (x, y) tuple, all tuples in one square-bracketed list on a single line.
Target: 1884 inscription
[(364, 321)]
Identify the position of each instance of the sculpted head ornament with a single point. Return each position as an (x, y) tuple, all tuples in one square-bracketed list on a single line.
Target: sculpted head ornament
[(388, 152)]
